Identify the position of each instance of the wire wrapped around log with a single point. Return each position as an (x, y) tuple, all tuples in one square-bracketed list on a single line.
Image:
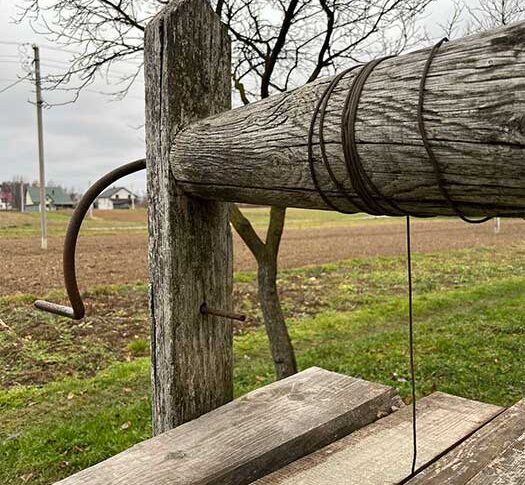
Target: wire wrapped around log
[(370, 199)]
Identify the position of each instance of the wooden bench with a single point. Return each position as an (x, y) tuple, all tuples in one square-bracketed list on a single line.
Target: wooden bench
[(323, 428), (494, 455), (251, 436), (381, 453)]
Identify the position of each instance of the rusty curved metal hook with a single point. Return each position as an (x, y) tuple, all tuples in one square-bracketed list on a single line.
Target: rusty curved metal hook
[(77, 310)]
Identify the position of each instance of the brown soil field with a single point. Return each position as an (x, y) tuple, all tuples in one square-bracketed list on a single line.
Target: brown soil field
[(122, 258)]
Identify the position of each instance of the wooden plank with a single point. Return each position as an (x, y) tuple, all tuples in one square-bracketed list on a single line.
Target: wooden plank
[(506, 469), (251, 436), (488, 447), (187, 77), (474, 105), (381, 453)]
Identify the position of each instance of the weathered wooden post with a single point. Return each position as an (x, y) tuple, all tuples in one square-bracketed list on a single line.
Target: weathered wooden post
[(187, 75)]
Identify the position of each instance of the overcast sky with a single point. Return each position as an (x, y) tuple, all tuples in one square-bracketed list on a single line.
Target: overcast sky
[(82, 140)]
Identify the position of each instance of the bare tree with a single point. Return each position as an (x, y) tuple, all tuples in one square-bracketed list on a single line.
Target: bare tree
[(493, 13), (277, 45), (488, 14)]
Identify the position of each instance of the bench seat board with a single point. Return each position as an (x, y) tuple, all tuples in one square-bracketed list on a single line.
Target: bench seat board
[(381, 453), (506, 469), (493, 455), (251, 436)]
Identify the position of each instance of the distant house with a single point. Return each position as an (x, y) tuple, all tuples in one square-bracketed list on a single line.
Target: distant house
[(6, 200), (116, 198), (56, 199)]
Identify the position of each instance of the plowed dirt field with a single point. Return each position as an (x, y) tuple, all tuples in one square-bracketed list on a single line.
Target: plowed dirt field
[(122, 258)]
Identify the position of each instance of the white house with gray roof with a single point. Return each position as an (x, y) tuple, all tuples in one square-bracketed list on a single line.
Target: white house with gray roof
[(116, 198)]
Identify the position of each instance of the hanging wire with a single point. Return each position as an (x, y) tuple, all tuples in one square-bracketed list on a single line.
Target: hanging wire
[(369, 198), (411, 344), (320, 111)]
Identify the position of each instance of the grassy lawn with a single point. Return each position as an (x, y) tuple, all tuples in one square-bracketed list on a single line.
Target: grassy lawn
[(17, 225), (307, 218), (27, 225), (348, 317)]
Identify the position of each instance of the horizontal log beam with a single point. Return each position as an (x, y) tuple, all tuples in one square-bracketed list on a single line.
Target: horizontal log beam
[(474, 114)]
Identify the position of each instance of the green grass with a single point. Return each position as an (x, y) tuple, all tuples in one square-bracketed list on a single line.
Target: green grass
[(308, 218), (37, 347), (27, 225), (48, 432), (138, 347), (470, 341), (20, 226)]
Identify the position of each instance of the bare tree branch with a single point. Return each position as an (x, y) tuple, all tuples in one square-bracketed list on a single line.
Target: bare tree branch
[(124, 16), (330, 21), (487, 14), (271, 60), (244, 228), (275, 229)]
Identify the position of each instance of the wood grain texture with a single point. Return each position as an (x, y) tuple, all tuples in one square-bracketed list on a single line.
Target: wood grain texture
[(488, 452), (381, 453), (251, 436), (187, 76), (506, 469), (475, 119)]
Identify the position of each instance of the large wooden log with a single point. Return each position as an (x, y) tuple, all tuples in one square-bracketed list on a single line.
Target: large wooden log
[(187, 76), (475, 119)]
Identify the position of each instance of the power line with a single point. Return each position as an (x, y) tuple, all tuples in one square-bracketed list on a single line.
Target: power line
[(65, 64), (59, 49), (14, 84), (6, 42), (14, 56), (50, 47)]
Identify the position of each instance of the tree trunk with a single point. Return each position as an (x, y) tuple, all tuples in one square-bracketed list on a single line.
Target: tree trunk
[(280, 343), (266, 254)]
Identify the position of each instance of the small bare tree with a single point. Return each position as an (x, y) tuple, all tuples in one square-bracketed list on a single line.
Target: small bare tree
[(488, 14), (493, 13), (277, 45)]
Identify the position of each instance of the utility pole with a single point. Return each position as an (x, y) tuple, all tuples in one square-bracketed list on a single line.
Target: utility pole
[(497, 225), (22, 198), (91, 206), (43, 215)]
